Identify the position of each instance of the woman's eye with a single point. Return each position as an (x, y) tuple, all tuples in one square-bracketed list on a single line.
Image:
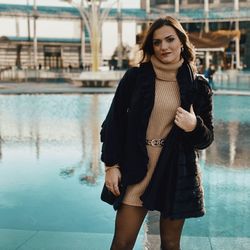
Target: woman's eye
[(156, 42), (170, 39)]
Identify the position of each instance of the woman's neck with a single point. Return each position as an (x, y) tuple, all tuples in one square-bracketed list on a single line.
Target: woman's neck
[(165, 71)]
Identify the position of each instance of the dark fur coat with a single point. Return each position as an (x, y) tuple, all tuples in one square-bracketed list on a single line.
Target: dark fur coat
[(175, 188)]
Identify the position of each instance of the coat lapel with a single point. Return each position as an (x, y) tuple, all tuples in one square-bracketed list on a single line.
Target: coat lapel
[(186, 84), (146, 90)]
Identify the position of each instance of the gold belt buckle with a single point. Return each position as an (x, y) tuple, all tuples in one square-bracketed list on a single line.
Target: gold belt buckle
[(155, 142)]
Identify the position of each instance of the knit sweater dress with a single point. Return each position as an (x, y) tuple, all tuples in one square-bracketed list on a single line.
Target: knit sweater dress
[(167, 100)]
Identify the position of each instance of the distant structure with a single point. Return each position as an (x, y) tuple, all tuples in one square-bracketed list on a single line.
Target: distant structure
[(51, 37), (219, 29), (56, 33)]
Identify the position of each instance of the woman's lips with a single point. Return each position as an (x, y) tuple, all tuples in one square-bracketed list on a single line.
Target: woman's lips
[(166, 53)]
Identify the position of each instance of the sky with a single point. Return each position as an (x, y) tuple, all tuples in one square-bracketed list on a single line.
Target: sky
[(124, 3)]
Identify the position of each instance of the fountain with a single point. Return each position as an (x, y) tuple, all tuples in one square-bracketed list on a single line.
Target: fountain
[(98, 79)]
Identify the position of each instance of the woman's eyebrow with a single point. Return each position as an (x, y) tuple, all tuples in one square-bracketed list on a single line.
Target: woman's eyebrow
[(164, 37)]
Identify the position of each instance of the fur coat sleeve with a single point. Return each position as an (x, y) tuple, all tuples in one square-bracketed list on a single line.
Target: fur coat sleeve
[(202, 136), (112, 131)]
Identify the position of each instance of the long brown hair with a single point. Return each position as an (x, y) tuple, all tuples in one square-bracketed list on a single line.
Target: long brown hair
[(188, 53)]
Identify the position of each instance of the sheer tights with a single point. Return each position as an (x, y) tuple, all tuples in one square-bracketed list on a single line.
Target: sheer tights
[(128, 223), (170, 231)]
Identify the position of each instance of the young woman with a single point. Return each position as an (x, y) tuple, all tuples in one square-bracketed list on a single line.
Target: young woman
[(160, 116)]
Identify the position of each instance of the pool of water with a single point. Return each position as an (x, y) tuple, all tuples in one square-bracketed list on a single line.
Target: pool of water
[(51, 175), (50, 170)]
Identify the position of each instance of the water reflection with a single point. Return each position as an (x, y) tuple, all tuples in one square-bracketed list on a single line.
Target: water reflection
[(1, 141), (39, 122), (49, 145), (57, 122), (231, 145), (92, 169)]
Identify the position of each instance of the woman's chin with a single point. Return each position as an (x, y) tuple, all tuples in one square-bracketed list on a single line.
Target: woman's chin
[(166, 60)]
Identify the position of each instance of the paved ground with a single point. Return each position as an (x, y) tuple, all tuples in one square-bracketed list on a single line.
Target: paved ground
[(47, 240), (67, 88)]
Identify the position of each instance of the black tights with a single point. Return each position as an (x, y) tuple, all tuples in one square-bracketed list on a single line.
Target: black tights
[(128, 223), (170, 231)]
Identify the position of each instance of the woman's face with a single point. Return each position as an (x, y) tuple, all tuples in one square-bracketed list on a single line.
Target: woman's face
[(167, 45)]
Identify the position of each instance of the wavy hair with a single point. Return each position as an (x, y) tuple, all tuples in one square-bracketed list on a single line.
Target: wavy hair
[(188, 52)]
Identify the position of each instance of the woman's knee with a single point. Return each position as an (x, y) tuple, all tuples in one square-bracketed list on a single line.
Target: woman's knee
[(122, 244), (171, 233), (169, 244)]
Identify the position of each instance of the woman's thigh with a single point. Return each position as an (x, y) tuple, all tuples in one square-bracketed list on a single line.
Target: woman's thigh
[(127, 225)]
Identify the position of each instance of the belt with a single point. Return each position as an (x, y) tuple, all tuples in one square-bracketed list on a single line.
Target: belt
[(155, 142)]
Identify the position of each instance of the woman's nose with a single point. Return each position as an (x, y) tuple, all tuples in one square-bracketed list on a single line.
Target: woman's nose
[(164, 45)]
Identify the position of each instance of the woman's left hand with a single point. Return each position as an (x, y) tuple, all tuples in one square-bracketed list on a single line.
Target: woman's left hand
[(185, 120)]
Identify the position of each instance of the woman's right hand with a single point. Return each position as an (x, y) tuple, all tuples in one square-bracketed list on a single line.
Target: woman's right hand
[(112, 179)]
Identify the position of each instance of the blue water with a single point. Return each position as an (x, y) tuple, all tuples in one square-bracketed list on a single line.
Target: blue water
[(51, 175), (226, 172), (49, 146)]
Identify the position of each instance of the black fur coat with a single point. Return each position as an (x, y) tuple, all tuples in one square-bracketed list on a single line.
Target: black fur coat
[(175, 188)]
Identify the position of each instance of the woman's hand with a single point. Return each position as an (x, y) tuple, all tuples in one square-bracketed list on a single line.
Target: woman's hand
[(185, 120), (112, 179)]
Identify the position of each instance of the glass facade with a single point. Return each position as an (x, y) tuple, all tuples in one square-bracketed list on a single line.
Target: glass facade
[(164, 2)]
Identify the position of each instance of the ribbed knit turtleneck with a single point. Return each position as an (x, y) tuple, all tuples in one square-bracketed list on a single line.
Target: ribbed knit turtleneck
[(167, 100), (165, 71)]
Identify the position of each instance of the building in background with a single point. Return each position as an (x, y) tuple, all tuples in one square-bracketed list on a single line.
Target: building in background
[(58, 36), (219, 29)]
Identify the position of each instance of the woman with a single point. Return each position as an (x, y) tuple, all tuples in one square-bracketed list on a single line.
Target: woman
[(160, 116)]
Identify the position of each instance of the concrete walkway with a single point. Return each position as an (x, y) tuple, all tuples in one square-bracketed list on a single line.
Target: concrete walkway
[(51, 88), (47, 240), (203, 243), (67, 88)]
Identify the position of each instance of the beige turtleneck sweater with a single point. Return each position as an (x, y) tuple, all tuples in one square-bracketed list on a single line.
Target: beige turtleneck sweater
[(167, 100)]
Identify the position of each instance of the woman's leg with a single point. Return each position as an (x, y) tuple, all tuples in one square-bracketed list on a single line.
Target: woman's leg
[(127, 225), (170, 231)]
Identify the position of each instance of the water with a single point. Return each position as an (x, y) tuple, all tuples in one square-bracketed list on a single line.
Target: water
[(51, 175), (226, 172), (50, 170), (232, 79)]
